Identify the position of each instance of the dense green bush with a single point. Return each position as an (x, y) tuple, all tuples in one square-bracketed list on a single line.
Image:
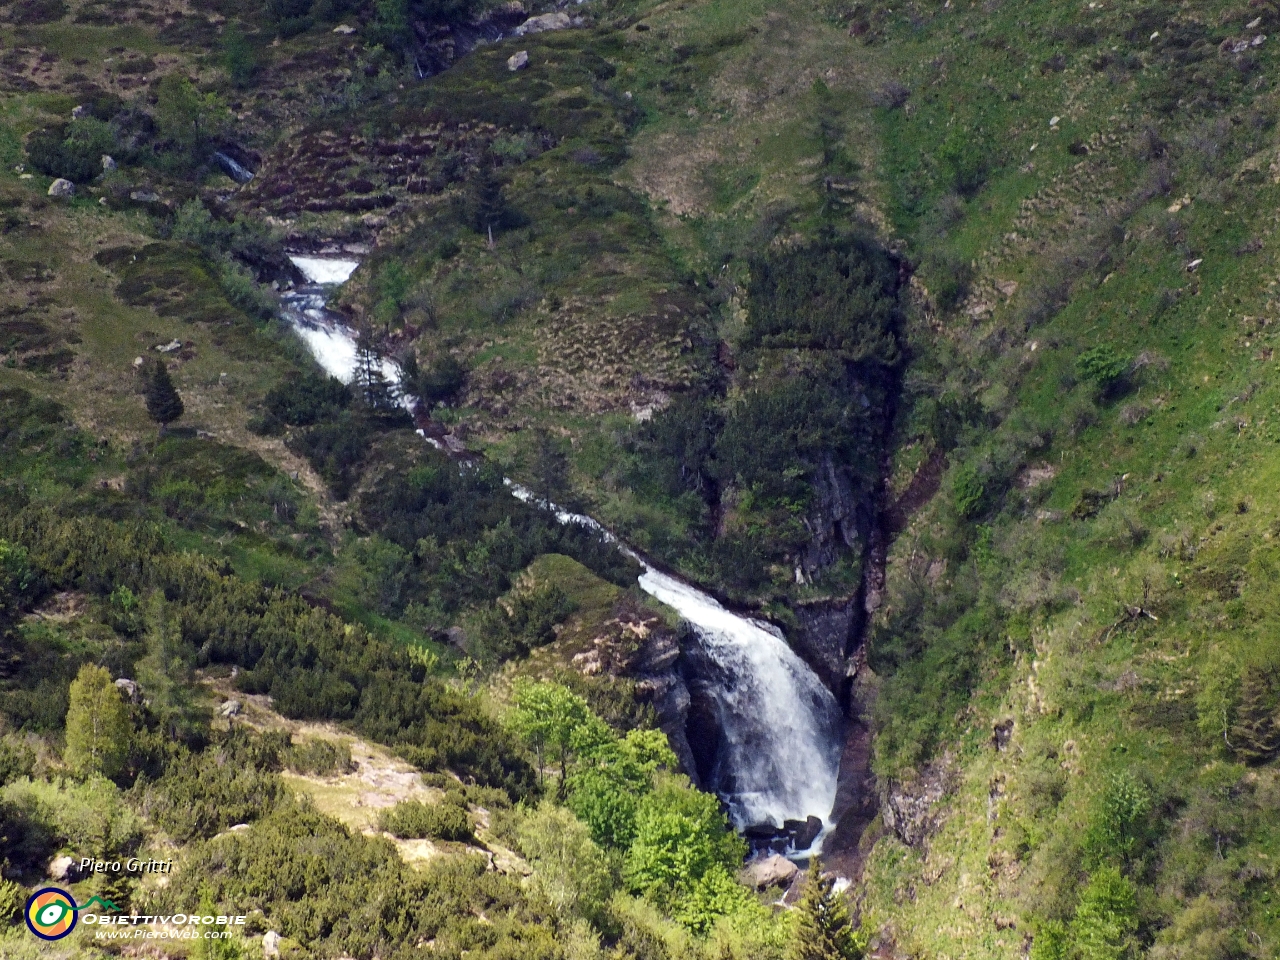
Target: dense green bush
[(232, 781), (347, 894), (414, 820), (838, 295), (525, 620), (319, 757)]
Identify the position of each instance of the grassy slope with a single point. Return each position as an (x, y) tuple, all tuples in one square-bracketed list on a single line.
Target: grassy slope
[(1183, 455)]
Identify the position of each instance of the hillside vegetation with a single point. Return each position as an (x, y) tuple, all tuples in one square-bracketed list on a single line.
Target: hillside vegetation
[(958, 314)]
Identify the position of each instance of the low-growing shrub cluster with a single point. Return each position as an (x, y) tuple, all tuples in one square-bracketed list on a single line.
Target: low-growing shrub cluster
[(415, 820)]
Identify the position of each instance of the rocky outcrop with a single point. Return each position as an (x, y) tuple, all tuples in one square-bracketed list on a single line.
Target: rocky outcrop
[(822, 636), (658, 679), (912, 809), (837, 520)]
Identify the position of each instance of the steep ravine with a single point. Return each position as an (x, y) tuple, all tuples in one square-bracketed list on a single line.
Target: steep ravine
[(761, 728)]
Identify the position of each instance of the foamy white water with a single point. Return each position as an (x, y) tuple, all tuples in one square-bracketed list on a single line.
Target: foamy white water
[(780, 756), (325, 269)]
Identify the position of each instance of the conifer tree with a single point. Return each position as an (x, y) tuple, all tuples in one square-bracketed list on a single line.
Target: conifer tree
[(164, 405), (1255, 735), (371, 383), (824, 930), (98, 729)]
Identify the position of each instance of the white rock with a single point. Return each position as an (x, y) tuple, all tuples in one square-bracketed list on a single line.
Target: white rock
[(79, 112), (173, 346), (271, 945), (62, 188), (108, 163), (518, 61), (544, 22), (1054, 121), (229, 709), (138, 362), (344, 29), (1253, 24), (144, 196), (60, 868), (128, 689), (1259, 40)]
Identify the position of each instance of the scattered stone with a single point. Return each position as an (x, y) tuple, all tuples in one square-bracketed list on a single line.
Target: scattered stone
[(229, 709), (80, 112), (1258, 41), (239, 828), (1194, 265), (544, 22), (145, 196), (803, 832), (1054, 121), (1253, 24), (773, 871), (62, 868), (271, 945), (344, 29), (128, 689), (518, 61), (108, 163), (1001, 734), (457, 638), (138, 362), (1007, 288), (62, 188), (1179, 204), (173, 346), (26, 176)]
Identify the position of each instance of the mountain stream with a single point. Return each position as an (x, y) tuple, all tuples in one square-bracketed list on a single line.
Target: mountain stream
[(774, 750)]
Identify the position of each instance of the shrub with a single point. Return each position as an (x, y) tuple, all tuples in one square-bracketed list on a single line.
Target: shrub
[(968, 490), (413, 820), (232, 781), (1119, 824), (319, 757), (1102, 366)]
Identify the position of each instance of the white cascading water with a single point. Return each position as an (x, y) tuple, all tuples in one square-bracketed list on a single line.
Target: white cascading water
[(780, 724)]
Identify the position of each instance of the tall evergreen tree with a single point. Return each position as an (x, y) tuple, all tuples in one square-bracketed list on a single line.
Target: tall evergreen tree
[(1255, 735), (824, 930), (98, 729), (164, 405), (371, 384)]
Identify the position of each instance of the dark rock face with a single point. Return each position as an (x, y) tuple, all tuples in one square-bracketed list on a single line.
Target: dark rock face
[(836, 521), (656, 668), (704, 723), (824, 631)]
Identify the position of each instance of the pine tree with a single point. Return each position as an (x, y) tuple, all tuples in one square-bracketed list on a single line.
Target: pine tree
[(371, 383), (98, 728), (1255, 735), (824, 930), (164, 405)]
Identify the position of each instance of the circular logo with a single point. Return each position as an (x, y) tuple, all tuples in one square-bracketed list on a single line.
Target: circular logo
[(50, 913)]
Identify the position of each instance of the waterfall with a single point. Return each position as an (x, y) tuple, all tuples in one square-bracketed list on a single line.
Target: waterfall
[(779, 750)]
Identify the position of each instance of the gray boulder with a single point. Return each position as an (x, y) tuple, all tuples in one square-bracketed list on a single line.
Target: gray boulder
[(62, 188), (108, 163), (128, 689), (774, 871), (518, 61), (229, 709), (271, 945), (544, 22)]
